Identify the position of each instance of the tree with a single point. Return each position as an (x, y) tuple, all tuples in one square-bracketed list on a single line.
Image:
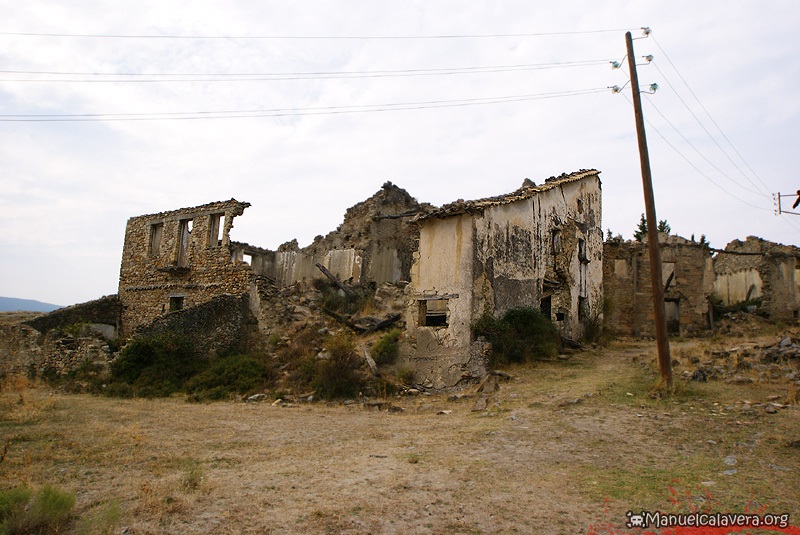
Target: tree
[(704, 241), (641, 231)]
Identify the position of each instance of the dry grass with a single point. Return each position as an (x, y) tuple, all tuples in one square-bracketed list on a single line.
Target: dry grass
[(563, 446)]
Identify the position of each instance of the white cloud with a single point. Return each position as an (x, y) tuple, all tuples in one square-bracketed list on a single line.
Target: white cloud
[(69, 187)]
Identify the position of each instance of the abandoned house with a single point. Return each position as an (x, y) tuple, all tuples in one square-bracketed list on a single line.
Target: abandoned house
[(184, 258), (178, 259), (687, 276), (764, 273), (540, 246)]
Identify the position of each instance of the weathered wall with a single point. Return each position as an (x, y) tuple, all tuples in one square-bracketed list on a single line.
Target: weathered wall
[(159, 267), (105, 310), (738, 286), (374, 243), (495, 254), (442, 276), (760, 268), (24, 349), (216, 326), (687, 275)]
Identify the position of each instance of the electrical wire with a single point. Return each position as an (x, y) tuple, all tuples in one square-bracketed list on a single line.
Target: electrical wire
[(314, 37), (693, 165), (688, 142), (289, 112), (768, 190), (231, 77)]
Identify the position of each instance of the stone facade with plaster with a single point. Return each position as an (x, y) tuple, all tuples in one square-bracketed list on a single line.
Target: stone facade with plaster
[(760, 269), (687, 277), (540, 246)]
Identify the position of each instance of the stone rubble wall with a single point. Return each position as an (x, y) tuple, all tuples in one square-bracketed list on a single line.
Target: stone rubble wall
[(105, 310), (628, 288), (150, 278)]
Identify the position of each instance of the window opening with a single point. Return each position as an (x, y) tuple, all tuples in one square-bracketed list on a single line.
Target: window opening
[(214, 228), (175, 302), (156, 232), (184, 233), (433, 313)]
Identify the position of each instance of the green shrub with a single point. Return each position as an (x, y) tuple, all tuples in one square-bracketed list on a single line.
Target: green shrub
[(49, 511), (232, 374), (520, 335), (338, 376), (156, 365), (386, 348)]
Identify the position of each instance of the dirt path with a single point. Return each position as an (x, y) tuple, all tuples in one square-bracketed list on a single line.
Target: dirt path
[(562, 447)]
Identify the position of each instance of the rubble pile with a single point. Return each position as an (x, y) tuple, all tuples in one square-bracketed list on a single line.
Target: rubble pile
[(749, 362)]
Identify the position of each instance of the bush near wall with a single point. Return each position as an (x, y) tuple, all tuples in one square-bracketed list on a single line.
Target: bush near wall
[(519, 335)]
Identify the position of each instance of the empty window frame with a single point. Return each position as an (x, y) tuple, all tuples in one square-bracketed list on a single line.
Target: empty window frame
[(176, 302), (156, 232), (433, 313), (184, 234), (214, 228)]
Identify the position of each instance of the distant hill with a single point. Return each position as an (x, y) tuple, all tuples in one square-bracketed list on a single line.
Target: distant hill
[(12, 304)]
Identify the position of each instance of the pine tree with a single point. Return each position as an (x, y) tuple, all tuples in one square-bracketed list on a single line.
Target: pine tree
[(641, 230)]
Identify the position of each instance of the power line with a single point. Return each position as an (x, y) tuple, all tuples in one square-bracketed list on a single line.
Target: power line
[(693, 165), (712, 121), (288, 112), (310, 37), (688, 142), (248, 77)]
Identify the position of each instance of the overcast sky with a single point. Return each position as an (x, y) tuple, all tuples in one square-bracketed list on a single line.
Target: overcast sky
[(68, 188)]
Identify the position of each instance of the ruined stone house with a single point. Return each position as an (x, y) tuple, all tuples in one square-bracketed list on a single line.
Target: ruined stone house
[(757, 269), (374, 243), (183, 258), (179, 259), (687, 277), (540, 246)]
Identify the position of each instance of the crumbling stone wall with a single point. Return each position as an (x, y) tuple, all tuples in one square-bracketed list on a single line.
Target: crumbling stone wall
[(760, 268), (216, 326), (105, 310), (179, 259), (25, 350), (687, 276), (374, 243)]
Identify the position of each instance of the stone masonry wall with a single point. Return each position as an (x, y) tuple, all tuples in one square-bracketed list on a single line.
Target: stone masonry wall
[(374, 243), (165, 267), (105, 310), (760, 268), (687, 275)]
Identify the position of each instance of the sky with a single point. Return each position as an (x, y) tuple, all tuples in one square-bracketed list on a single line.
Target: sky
[(303, 108)]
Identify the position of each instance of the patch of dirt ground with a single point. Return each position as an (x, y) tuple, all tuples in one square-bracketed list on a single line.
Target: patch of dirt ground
[(564, 447)]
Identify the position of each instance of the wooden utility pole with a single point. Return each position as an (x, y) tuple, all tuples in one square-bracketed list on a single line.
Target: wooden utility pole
[(662, 340)]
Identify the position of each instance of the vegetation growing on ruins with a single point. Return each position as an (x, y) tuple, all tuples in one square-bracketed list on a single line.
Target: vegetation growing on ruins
[(386, 348), (520, 335)]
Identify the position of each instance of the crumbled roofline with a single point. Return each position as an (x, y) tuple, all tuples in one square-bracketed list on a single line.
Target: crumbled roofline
[(525, 192)]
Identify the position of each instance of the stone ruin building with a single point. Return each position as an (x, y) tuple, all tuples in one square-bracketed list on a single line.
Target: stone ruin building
[(687, 272), (757, 269), (440, 268), (764, 274), (540, 246)]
